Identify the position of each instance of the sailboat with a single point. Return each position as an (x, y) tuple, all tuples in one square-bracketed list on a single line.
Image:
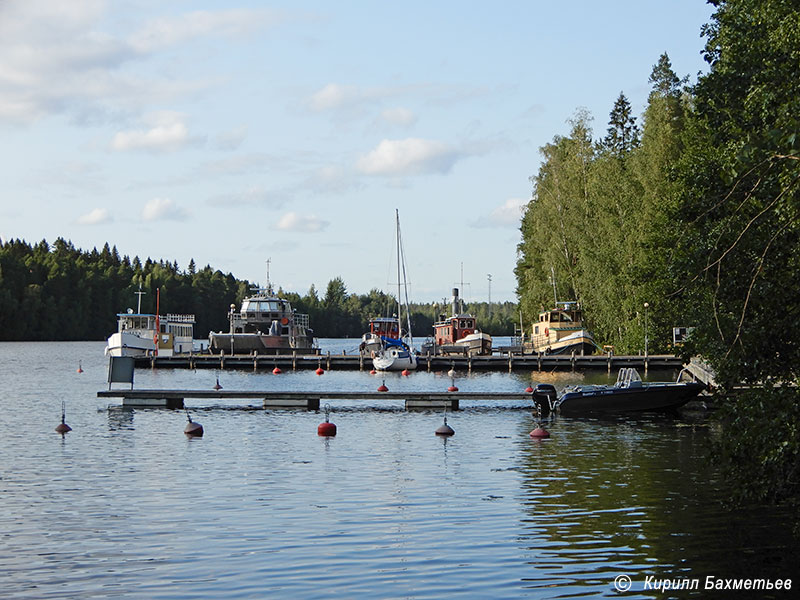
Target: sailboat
[(396, 353)]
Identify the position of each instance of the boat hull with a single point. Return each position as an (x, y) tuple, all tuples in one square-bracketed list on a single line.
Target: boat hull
[(129, 344), (394, 359), (248, 343), (610, 399)]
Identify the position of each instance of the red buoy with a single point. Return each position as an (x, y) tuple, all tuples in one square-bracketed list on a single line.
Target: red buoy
[(63, 427), (445, 429), (276, 371), (405, 373), (80, 369), (217, 386), (452, 388), (540, 432), (529, 390), (319, 371), (192, 429), (382, 387), (327, 429), (373, 372)]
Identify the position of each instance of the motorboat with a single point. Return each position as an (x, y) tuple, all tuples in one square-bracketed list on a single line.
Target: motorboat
[(628, 394), (264, 324)]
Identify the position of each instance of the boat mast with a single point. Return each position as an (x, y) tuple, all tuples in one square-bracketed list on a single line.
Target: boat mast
[(401, 259), (140, 293), (555, 295)]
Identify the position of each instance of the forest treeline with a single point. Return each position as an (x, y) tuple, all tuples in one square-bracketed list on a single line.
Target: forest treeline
[(59, 292), (688, 216)]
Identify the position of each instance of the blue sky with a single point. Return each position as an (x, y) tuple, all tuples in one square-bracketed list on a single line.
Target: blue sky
[(233, 132)]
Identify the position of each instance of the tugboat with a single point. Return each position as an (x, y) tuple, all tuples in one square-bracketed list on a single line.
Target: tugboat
[(265, 324), (380, 328), (457, 334), (561, 331)]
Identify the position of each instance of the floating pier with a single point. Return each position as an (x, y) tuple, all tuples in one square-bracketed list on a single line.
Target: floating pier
[(143, 398), (494, 362)]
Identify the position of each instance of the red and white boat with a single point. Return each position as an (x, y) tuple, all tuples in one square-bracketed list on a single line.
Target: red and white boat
[(458, 333)]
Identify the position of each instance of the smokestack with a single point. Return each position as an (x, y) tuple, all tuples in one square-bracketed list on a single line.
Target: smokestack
[(455, 301)]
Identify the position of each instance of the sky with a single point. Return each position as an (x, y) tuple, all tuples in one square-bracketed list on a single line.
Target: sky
[(235, 132)]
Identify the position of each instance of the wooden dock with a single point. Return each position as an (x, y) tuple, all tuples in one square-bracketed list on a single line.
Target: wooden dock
[(305, 400), (495, 362)]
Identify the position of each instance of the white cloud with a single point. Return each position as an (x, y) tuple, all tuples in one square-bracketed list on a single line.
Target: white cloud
[(95, 217), (507, 214), (163, 209), (410, 156), (399, 116), (168, 31), (291, 221), (57, 58), (231, 139), (335, 96), (166, 132)]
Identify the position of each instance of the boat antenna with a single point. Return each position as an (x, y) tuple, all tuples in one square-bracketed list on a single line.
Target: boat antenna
[(140, 293), (555, 295), (269, 285)]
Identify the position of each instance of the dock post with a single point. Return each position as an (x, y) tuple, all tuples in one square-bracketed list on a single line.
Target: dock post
[(539, 360), (360, 361), (221, 360), (572, 360), (328, 362), (469, 363), (429, 361), (609, 361), (294, 360), (510, 361), (646, 360)]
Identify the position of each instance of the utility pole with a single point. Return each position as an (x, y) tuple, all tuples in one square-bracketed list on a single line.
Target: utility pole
[(489, 277)]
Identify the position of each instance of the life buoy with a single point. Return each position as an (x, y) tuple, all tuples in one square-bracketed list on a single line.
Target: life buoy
[(546, 331), (284, 321), (466, 332)]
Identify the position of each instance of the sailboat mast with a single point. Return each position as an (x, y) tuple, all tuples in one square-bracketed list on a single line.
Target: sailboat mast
[(401, 260), (397, 241)]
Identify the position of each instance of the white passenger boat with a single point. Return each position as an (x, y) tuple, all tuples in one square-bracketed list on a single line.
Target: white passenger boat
[(146, 334)]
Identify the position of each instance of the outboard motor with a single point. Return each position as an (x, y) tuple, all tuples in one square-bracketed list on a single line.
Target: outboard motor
[(545, 396)]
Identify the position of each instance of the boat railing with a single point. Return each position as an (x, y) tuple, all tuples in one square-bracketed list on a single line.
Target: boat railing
[(180, 318), (301, 320), (628, 377)]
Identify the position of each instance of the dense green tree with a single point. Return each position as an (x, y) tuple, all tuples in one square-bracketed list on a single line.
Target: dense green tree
[(739, 268), (623, 132)]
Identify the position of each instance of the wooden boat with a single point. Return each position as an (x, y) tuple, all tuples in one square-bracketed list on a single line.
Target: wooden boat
[(458, 334), (561, 331), (628, 394)]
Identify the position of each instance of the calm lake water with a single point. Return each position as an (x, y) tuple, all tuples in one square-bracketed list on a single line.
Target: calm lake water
[(125, 506)]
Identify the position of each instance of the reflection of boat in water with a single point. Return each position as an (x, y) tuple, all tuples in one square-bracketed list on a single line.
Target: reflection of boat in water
[(458, 334), (144, 334), (266, 324), (396, 353), (561, 331), (628, 394)]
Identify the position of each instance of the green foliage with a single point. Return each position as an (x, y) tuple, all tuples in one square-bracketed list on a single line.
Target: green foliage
[(759, 448)]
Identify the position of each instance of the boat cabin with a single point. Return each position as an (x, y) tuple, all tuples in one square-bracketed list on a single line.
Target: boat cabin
[(451, 329), (567, 316), (385, 327)]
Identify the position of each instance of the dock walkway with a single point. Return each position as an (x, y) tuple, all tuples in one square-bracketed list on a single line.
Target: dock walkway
[(495, 362), (304, 400)]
